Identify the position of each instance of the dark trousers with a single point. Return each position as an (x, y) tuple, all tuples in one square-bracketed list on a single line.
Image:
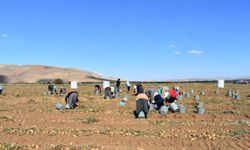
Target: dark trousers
[(107, 93), (171, 99), (117, 90), (158, 101), (142, 105), (128, 87)]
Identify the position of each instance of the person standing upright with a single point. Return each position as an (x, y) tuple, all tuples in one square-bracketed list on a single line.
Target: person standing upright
[(128, 85), (118, 85)]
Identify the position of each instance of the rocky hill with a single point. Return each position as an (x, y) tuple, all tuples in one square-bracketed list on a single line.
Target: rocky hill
[(35, 73)]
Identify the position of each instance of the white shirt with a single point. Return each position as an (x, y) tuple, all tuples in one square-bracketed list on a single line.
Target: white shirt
[(127, 83), (112, 89)]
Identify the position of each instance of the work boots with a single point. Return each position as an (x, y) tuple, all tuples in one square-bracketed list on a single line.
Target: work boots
[(135, 114)]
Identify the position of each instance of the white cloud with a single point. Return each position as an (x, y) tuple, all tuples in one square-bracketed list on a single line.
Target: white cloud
[(196, 52), (172, 46), (4, 36), (177, 52)]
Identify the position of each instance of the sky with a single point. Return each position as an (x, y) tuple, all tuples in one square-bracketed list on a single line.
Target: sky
[(129, 39)]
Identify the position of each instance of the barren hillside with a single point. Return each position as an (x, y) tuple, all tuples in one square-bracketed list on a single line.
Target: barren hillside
[(33, 73)]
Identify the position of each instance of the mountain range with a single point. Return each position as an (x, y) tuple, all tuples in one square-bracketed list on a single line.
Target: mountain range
[(36, 73)]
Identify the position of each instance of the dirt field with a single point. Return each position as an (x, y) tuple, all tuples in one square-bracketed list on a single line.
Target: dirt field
[(29, 120)]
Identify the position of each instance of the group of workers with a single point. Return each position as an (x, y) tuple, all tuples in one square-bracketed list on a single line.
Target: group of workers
[(145, 100), (152, 98), (52, 89), (70, 99)]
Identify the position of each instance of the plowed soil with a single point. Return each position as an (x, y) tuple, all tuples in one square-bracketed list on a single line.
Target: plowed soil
[(29, 120)]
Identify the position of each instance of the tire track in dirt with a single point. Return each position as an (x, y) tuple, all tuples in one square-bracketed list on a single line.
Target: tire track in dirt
[(233, 144), (243, 145)]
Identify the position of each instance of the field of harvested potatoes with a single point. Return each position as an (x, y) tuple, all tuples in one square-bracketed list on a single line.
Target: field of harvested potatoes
[(29, 120)]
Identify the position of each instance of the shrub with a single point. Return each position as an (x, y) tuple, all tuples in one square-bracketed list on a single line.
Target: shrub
[(44, 81), (4, 79), (58, 81)]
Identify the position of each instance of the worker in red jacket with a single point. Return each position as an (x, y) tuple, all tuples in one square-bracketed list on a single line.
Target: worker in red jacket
[(173, 96)]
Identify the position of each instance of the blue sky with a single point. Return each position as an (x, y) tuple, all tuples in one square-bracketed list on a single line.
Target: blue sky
[(130, 39)]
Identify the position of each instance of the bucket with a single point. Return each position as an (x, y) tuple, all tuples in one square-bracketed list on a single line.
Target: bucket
[(67, 106), (199, 104), (121, 104), (163, 110), (237, 96), (191, 91), (179, 97), (229, 93), (197, 98), (182, 108), (220, 84), (141, 115), (151, 107), (202, 93), (200, 110), (125, 97), (174, 106), (59, 106), (47, 93), (96, 93)]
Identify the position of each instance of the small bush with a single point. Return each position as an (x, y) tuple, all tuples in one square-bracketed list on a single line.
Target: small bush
[(4, 79), (90, 120), (44, 81), (58, 81)]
